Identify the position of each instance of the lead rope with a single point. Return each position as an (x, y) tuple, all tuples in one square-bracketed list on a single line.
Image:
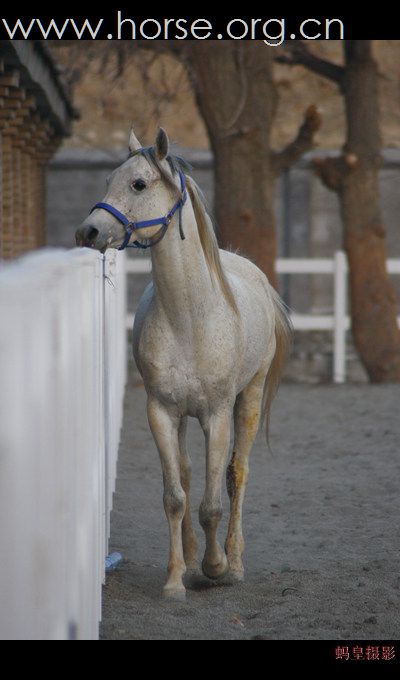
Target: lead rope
[(181, 232), (183, 201)]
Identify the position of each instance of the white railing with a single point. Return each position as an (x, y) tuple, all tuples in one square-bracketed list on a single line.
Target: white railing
[(338, 322), (62, 377)]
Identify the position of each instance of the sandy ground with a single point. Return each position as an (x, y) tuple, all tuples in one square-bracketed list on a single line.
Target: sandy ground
[(321, 527)]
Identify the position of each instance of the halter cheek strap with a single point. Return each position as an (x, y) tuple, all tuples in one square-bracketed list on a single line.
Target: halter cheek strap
[(130, 226)]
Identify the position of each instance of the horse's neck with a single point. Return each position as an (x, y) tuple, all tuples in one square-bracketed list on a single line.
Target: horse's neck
[(183, 285)]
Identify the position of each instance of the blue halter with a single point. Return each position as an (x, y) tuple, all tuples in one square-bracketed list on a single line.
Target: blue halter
[(130, 226)]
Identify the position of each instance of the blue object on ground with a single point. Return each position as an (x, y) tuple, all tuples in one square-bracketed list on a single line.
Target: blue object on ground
[(112, 561)]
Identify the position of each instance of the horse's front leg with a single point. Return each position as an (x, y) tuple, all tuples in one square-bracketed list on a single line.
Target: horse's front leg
[(190, 545), (164, 427), (217, 432)]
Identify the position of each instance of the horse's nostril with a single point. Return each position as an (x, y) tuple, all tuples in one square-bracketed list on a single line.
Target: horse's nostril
[(92, 234), (86, 236)]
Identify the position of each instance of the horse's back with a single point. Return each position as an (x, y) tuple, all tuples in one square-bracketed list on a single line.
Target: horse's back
[(242, 266), (250, 286)]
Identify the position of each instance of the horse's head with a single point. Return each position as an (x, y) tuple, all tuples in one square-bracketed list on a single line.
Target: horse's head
[(138, 191)]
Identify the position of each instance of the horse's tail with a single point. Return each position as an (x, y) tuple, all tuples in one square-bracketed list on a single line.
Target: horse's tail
[(283, 337)]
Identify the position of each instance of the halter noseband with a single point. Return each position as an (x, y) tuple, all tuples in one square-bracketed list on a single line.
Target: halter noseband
[(130, 226)]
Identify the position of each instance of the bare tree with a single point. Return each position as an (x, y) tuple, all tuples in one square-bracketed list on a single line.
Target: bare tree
[(237, 98), (354, 176)]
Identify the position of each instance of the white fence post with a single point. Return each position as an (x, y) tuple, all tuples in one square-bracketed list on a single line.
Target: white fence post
[(340, 318), (54, 403), (337, 323)]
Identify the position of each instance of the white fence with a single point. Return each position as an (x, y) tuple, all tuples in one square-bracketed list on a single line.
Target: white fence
[(338, 322), (62, 377)]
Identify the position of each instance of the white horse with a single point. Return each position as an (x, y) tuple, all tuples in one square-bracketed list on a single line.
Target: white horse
[(210, 339)]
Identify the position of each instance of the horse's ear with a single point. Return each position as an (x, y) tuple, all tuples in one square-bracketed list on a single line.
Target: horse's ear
[(162, 144), (134, 144)]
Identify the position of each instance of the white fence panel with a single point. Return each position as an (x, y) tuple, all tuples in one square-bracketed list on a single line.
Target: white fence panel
[(59, 433), (338, 322), (115, 367)]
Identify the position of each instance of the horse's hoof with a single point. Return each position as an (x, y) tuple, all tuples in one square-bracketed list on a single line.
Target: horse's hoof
[(177, 594), (215, 571), (236, 576)]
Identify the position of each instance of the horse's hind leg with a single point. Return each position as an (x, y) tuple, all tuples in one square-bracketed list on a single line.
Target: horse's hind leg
[(190, 545), (247, 418)]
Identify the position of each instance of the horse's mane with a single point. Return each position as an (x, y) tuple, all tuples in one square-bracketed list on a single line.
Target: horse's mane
[(204, 221)]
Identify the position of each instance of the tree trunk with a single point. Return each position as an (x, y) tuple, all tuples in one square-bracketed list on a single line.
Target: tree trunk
[(355, 178), (237, 99)]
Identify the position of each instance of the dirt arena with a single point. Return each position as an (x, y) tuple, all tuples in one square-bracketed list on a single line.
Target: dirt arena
[(321, 527)]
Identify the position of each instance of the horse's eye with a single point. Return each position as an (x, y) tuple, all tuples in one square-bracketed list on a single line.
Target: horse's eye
[(139, 185)]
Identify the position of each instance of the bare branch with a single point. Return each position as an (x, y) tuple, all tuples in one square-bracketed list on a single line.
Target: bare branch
[(303, 142), (297, 54), (333, 171)]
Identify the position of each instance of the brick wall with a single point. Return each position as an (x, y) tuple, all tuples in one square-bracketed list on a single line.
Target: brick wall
[(29, 136)]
